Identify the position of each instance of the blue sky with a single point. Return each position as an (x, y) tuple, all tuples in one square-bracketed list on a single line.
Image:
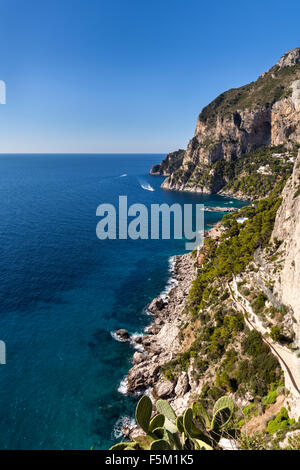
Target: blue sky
[(127, 75)]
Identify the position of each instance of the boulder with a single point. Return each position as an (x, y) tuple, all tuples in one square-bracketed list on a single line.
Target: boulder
[(146, 341), (122, 334), (182, 385), (138, 357), (138, 339), (164, 389), (142, 375), (157, 304)]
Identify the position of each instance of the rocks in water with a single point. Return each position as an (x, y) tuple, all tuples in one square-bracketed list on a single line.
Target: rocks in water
[(182, 385), (146, 342), (157, 304), (160, 343), (126, 431), (138, 339), (164, 389), (122, 334)]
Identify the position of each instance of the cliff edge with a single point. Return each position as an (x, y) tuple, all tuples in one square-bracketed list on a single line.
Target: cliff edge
[(263, 113)]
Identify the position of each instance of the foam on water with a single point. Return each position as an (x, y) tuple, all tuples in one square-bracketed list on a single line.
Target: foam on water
[(123, 422), (139, 347), (117, 337), (123, 387)]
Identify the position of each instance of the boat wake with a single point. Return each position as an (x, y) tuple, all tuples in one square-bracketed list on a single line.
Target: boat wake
[(147, 187)]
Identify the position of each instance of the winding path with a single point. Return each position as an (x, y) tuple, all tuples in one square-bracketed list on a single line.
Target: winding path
[(290, 357)]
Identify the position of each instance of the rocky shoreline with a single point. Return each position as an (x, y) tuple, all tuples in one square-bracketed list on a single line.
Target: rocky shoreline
[(160, 343)]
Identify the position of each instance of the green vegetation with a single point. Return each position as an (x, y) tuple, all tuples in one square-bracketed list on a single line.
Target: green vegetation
[(263, 368), (265, 91), (259, 303), (249, 411), (272, 395), (280, 422), (168, 374), (243, 174), (255, 368), (235, 249), (293, 442), (255, 442), (257, 174), (194, 430), (275, 333)]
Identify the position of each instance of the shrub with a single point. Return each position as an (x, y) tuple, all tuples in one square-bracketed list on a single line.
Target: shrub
[(275, 333), (262, 369), (281, 421), (168, 374), (259, 302)]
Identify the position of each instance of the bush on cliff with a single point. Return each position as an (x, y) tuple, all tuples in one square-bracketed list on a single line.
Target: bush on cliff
[(235, 249)]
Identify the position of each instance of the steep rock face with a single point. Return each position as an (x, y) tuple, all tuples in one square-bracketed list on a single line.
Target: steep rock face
[(171, 163), (285, 118), (289, 59), (265, 112), (287, 230)]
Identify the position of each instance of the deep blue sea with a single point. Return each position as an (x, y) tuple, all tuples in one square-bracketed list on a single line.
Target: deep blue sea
[(63, 291)]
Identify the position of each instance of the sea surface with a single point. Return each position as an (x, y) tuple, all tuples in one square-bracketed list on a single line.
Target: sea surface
[(63, 291)]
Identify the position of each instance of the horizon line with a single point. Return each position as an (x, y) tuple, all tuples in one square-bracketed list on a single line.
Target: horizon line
[(83, 153)]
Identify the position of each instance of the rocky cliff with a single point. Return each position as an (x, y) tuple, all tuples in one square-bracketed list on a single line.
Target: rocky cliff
[(263, 113), (231, 326), (287, 231)]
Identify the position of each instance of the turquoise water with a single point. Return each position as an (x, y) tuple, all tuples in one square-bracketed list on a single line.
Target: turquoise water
[(63, 291)]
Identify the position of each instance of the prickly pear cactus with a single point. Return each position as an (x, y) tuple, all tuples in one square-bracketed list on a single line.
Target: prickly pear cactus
[(192, 431), (143, 413), (160, 444), (157, 422), (222, 412), (165, 409)]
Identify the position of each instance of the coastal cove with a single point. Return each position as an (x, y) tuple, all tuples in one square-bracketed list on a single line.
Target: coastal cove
[(63, 292)]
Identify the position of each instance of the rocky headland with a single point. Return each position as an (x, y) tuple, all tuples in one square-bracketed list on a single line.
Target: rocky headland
[(262, 113), (230, 324)]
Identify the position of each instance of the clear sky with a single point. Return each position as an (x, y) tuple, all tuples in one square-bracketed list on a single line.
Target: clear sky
[(128, 75)]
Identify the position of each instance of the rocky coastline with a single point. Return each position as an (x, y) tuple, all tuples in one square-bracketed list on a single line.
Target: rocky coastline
[(160, 342)]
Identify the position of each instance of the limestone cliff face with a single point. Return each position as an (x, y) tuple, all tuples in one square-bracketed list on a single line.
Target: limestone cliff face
[(287, 230), (171, 163), (285, 118), (265, 112)]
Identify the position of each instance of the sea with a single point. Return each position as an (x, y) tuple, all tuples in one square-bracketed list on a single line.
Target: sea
[(63, 292)]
